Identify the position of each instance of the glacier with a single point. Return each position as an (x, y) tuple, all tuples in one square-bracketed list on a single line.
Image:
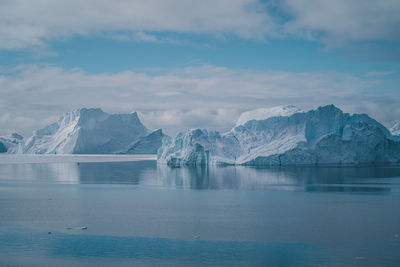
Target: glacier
[(325, 135), (11, 143), (90, 131)]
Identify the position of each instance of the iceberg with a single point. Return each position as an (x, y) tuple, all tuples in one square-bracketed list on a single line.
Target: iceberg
[(89, 131), (148, 144), (265, 113), (395, 130), (11, 143), (325, 135)]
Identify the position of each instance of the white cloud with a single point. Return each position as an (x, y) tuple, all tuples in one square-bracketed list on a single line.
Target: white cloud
[(141, 36), (27, 24), (10, 123), (5, 118), (344, 20), (381, 73), (182, 119), (206, 96)]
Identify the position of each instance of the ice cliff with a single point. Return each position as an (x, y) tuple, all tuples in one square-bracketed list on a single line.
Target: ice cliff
[(265, 113), (325, 135), (10, 143), (90, 131), (148, 144), (395, 130)]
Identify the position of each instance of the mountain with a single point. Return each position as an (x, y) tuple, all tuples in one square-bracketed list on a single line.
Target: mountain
[(10, 143), (88, 131), (325, 135)]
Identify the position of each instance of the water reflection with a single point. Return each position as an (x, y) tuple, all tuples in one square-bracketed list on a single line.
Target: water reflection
[(326, 179), (377, 179), (40, 172), (117, 172), (231, 177)]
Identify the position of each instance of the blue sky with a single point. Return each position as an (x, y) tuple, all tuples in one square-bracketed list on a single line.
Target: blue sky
[(185, 64), (99, 55)]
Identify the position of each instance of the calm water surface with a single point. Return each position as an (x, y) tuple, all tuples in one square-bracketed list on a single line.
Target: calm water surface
[(65, 211)]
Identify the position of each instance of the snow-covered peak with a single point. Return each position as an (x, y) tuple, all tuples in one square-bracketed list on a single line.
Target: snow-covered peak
[(395, 130), (265, 113)]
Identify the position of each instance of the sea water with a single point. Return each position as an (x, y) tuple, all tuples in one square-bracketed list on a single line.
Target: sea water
[(127, 211)]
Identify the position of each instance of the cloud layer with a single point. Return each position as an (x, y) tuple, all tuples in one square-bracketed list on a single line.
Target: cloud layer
[(206, 96), (27, 24), (344, 20)]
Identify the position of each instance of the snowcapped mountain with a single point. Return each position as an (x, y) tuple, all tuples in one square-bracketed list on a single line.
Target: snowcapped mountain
[(265, 113), (10, 143), (88, 131), (325, 135)]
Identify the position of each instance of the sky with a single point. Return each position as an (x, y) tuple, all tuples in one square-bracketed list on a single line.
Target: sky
[(196, 64)]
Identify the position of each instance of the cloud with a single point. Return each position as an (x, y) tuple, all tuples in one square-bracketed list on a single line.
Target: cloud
[(10, 123), (182, 119), (381, 73), (29, 24), (344, 20), (206, 96), (25, 23)]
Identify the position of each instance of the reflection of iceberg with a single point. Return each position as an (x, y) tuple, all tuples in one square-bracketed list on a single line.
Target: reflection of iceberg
[(230, 177), (51, 172), (64, 172), (135, 172), (148, 173), (350, 179), (87, 172)]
